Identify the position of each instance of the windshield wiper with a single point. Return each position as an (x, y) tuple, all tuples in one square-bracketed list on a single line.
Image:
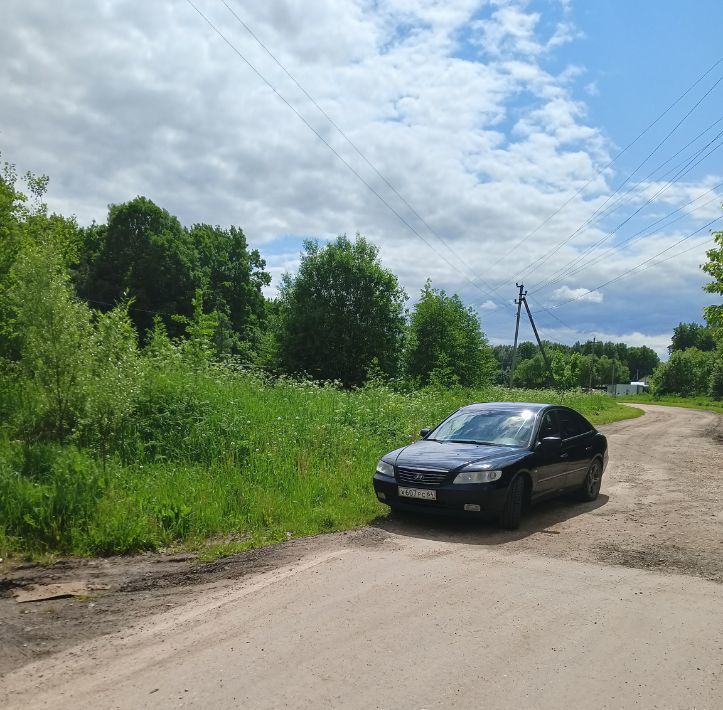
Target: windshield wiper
[(471, 441)]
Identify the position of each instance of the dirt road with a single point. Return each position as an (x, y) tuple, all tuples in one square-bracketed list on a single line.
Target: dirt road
[(614, 604)]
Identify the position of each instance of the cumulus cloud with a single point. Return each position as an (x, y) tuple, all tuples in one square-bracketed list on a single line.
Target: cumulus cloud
[(487, 306), (453, 102), (565, 293)]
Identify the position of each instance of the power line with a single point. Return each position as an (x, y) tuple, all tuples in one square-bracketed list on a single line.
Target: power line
[(486, 290), (609, 164), (683, 169), (646, 231), (482, 288), (634, 268), (542, 259), (569, 268)]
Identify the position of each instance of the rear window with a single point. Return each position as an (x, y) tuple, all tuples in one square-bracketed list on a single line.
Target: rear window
[(570, 424), (585, 425)]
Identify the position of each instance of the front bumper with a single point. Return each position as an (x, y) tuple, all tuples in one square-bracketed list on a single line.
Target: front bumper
[(490, 497)]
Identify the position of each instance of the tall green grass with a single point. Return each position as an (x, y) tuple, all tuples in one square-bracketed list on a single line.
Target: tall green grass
[(221, 452)]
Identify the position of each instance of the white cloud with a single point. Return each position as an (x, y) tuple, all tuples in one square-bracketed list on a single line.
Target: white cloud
[(487, 306), (565, 293), (114, 100)]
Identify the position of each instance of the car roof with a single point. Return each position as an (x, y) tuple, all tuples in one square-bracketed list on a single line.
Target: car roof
[(505, 406)]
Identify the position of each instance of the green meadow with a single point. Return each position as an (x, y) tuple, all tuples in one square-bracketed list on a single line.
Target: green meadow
[(222, 460)]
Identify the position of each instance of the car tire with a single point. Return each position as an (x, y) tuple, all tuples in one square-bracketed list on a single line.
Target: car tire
[(512, 512), (590, 488)]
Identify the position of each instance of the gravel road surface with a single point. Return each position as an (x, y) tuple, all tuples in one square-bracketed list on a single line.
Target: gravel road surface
[(614, 604)]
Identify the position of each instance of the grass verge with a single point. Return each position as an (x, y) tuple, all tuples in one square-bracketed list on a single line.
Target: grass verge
[(225, 455)]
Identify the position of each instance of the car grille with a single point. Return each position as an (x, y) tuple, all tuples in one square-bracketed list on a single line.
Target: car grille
[(428, 478)]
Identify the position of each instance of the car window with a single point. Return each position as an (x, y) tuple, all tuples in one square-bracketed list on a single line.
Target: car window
[(548, 426), (505, 427), (570, 424), (583, 423)]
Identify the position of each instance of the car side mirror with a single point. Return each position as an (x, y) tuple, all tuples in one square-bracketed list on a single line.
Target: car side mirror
[(424, 433), (550, 446)]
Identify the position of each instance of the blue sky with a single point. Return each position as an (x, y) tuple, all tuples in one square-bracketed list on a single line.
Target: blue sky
[(487, 116)]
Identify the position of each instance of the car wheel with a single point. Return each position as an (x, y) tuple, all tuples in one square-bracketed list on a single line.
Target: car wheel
[(591, 485), (512, 512)]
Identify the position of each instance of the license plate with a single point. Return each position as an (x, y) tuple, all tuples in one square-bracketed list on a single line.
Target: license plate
[(421, 493)]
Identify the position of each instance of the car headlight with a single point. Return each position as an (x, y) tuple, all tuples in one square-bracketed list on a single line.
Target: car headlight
[(486, 476), (386, 469)]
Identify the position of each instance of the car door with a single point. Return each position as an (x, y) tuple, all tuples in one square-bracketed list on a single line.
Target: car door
[(576, 446), (551, 470)]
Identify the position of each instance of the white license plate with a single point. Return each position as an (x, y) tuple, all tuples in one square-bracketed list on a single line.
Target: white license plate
[(417, 493)]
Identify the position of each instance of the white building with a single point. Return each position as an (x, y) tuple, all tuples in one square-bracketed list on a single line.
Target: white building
[(624, 389)]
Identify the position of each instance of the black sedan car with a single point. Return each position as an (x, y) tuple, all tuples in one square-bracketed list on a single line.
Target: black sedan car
[(495, 458)]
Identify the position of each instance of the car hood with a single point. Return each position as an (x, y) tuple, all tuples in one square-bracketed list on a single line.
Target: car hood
[(447, 456)]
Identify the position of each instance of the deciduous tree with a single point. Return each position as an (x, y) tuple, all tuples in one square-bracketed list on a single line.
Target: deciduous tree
[(341, 312), (445, 336)]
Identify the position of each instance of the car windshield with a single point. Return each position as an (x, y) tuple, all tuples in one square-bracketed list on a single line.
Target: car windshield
[(501, 428)]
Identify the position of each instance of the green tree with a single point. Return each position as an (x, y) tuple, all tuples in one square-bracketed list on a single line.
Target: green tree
[(25, 223), (53, 331), (714, 268), (202, 330), (445, 336), (531, 372), (716, 377), (565, 369), (609, 370), (232, 277), (714, 313), (145, 255), (340, 312), (113, 383), (692, 335), (687, 373), (526, 350), (642, 361)]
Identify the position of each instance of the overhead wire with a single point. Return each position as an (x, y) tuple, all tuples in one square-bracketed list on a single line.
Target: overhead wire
[(551, 252), (609, 164), (489, 291), (480, 287), (682, 168), (646, 231), (631, 270), (565, 270)]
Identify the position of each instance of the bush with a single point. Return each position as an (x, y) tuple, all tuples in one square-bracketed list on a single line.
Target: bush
[(222, 451), (686, 373), (716, 377), (48, 495)]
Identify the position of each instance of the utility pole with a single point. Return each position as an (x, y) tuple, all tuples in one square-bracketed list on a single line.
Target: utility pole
[(592, 365), (518, 301), (539, 342)]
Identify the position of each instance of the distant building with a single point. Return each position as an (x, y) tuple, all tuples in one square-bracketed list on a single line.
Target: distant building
[(624, 389)]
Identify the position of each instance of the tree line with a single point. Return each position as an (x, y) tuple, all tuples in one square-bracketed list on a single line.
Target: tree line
[(342, 316), (589, 364)]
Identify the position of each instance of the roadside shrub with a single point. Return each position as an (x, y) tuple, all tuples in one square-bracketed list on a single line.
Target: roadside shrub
[(181, 416), (53, 331), (686, 373), (50, 498), (716, 377), (224, 452)]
